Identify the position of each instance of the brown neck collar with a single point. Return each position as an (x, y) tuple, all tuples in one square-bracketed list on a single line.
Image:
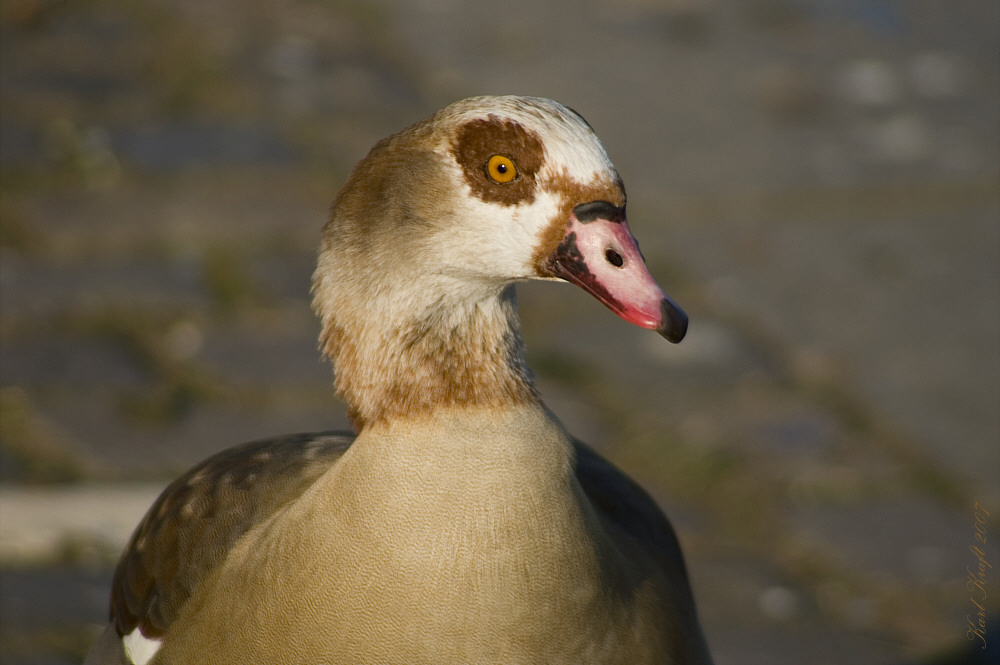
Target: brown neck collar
[(451, 355)]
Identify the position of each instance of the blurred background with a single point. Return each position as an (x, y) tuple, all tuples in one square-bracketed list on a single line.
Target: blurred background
[(817, 182)]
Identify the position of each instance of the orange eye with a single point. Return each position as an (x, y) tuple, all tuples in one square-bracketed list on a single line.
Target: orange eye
[(501, 169)]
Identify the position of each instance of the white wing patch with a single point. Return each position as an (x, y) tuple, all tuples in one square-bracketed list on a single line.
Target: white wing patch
[(139, 649)]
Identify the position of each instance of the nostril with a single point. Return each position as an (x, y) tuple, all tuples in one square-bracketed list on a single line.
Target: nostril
[(614, 258)]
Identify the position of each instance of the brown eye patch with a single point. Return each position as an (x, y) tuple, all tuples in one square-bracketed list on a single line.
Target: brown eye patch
[(479, 140)]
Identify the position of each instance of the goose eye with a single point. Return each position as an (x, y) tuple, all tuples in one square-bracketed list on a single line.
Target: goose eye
[(501, 169)]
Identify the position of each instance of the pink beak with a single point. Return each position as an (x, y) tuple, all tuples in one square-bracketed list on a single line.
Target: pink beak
[(599, 254)]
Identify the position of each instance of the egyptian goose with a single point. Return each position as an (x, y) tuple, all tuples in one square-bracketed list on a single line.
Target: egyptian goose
[(462, 524)]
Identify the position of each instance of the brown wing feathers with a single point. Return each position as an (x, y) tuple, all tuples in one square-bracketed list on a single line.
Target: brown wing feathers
[(195, 522)]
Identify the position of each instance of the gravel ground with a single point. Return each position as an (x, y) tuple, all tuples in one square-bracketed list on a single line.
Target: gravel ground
[(818, 184)]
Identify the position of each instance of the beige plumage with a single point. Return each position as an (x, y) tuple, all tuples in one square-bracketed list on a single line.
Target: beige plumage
[(463, 524)]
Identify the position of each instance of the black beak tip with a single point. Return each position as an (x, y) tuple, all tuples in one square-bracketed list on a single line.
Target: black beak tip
[(675, 321)]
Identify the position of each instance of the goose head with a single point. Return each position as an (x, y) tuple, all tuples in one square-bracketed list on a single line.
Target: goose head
[(438, 221)]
